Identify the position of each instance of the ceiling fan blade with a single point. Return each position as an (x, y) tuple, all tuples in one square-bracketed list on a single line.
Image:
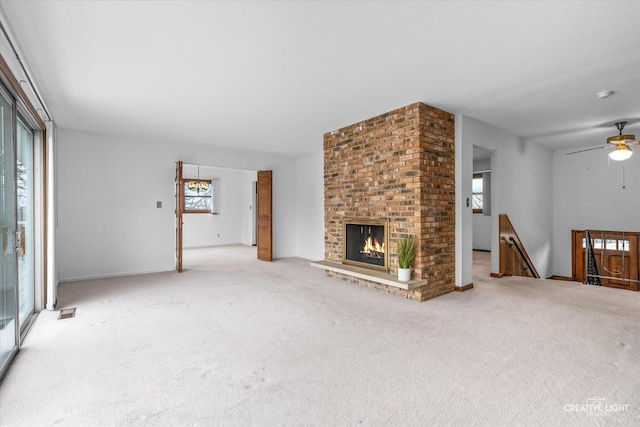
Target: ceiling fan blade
[(589, 149)]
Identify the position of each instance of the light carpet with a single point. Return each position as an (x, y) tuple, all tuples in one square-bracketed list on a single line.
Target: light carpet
[(234, 341)]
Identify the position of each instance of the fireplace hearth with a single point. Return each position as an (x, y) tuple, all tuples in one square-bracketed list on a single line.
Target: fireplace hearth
[(366, 243)]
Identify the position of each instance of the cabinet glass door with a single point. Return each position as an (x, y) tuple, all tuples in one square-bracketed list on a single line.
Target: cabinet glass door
[(8, 279)]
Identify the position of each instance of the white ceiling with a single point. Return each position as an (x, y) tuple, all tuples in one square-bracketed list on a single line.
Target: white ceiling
[(276, 76)]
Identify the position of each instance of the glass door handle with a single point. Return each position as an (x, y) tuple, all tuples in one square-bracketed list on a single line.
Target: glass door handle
[(5, 241), (23, 241)]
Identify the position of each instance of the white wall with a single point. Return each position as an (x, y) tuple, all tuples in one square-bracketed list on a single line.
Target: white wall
[(521, 186), (230, 225), (481, 232), (108, 187), (310, 206), (588, 194), (247, 207)]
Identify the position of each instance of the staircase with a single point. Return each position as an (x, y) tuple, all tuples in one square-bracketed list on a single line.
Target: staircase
[(514, 260)]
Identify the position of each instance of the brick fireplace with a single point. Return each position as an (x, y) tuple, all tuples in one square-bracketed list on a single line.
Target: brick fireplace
[(397, 168)]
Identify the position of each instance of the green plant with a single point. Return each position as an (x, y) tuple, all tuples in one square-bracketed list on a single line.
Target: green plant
[(406, 251)]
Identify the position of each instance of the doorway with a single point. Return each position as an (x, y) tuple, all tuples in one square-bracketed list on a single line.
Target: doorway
[(228, 214), (481, 205)]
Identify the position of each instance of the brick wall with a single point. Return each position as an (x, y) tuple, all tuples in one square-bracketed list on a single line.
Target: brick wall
[(397, 166)]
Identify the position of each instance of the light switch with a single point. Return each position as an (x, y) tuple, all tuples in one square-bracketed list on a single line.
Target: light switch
[(159, 204)]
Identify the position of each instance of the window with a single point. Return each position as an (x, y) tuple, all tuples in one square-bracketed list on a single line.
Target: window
[(607, 244), (477, 193), (198, 195)]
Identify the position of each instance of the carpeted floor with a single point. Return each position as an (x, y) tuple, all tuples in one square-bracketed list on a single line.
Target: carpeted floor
[(237, 342)]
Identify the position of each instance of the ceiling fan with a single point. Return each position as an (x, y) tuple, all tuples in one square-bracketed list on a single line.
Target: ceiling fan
[(621, 142)]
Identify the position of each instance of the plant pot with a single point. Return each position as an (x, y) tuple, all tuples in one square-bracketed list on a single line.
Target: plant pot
[(404, 274)]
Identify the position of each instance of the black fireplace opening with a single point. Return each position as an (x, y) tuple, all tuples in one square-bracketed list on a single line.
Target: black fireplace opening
[(365, 243)]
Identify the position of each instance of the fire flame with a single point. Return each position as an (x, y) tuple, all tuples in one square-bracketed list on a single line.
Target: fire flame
[(372, 245)]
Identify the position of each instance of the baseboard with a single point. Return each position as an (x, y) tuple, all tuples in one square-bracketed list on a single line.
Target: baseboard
[(464, 288), (500, 275), (565, 278), (216, 246), (110, 276)]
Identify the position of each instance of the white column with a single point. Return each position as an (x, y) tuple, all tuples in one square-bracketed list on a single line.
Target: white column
[(464, 217)]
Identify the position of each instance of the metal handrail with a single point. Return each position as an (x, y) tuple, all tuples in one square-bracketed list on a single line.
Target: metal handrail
[(524, 258)]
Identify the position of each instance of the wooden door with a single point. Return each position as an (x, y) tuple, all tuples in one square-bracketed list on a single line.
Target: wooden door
[(616, 257), (619, 261), (179, 183), (264, 217)]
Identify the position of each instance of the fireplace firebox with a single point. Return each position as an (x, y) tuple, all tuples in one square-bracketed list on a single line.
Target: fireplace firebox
[(365, 243)]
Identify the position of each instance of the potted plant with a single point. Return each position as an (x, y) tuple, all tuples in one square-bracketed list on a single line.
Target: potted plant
[(406, 255)]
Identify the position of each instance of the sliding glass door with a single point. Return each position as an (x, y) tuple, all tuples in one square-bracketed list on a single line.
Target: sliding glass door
[(17, 259), (8, 270), (25, 250)]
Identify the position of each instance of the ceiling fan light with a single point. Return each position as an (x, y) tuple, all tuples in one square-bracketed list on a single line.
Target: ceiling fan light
[(622, 152)]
